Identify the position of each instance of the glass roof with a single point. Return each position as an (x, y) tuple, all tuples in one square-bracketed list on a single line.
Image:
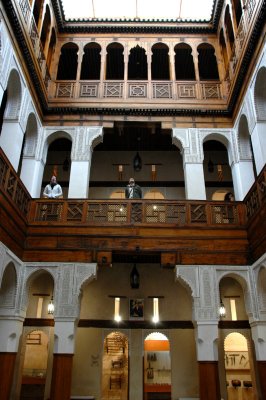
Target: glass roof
[(141, 9)]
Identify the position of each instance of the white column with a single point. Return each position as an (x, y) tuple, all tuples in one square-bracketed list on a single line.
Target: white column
[(31, 175), (258, 139), (194, 181), (11, 330), (64, 333), (258, 331), (11, 141), (206, 334), (243, 178), (85, 139), (79, 179)]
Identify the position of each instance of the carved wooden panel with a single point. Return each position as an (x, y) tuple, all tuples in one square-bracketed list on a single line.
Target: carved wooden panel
[(186, 90), (211, 90), (88, 90), (162, 90), (113, 89), (198, 213), (50, 211), (74, 211), (107, 212), (65, 89), (137, 90)]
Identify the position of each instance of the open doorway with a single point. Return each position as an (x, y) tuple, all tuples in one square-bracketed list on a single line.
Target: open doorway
[(157, 367)]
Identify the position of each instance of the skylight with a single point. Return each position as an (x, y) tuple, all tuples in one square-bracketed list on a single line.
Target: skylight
[(140, 9)]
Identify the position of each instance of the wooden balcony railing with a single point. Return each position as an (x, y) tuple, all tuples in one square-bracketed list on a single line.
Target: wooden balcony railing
[(137, 90), (123, 212), (99, 212)]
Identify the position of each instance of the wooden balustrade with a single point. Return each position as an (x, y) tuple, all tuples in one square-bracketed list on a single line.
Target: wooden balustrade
[(149, 212)]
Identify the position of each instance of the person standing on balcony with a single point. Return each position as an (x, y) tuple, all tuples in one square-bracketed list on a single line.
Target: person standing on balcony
[(133, 191), (53, 190)]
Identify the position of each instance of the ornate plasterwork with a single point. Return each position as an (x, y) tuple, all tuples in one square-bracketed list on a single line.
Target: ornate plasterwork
[(86, 138), (68, 279)]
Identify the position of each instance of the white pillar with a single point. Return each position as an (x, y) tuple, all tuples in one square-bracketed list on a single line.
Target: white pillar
[(243, 178), (11, 330), (194, 181), (31, 175), (258, 139), (64, 334), (11, 141), (79, 179), (85, 139), (207, 340), (258, 331)]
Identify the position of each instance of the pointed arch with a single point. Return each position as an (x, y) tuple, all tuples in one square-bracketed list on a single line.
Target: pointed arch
[(184, 63), (137, 64), (45, 26), (260, 94), (14, 96), (160, 69), (91, 62), (208, 68), (115, 61), (8, 287), (68, 62)]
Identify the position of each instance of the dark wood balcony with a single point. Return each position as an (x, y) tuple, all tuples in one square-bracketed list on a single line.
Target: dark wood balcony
[(165, 231)]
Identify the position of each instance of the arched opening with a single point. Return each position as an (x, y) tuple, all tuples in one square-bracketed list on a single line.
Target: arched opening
[(58, 163), (35, 365), (115, 367), (238, 10), (239, 371), (229, 27), (45, 26), (137, 64), (8, 287), (51, 48), (245, 143), (113, 162), (184, 63), (91, 62), (160, 62), (115, 61), (157, 367), (68, 62), (2, 109), (38, 4), (208, 69), (223, 48), (217, 171), (260, 94)]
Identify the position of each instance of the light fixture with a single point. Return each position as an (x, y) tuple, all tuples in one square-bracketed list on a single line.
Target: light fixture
[(134, 278), (222, 310), (117, 316), (137, 162), (155, 317), (51, 307)]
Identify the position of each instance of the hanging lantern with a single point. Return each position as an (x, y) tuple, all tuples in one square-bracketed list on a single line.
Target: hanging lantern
[(134, 278), (51, 307), (222, 310), (137, 163)]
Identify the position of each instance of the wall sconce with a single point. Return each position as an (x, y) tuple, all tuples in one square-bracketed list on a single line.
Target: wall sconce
[(134, 278), (222, 310), (153, 172), (50, 308), (137, 163), (117, 316), (155, 317), (120, 172)]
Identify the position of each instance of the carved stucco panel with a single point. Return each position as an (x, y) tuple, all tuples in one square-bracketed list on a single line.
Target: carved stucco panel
[(190, 275)]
